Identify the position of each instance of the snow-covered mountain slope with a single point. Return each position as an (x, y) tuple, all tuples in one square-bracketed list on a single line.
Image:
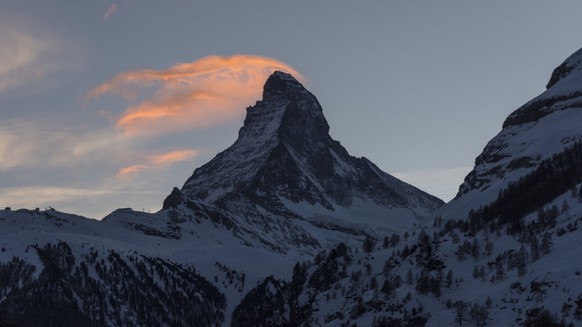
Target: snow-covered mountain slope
[(437, 275), (107, 272), (535, 132)]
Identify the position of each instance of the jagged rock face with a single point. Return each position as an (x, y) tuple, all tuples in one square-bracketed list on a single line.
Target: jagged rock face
[(535, 132), (566, 68), (284, 151), (563, 92)]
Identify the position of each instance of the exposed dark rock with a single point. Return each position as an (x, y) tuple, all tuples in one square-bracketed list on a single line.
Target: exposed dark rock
[(174, 199)]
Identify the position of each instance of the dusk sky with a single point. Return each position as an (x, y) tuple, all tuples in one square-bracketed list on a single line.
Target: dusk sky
[(109, 104)]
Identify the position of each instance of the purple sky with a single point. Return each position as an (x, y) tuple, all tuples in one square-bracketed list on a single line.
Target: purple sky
[(107, 104)]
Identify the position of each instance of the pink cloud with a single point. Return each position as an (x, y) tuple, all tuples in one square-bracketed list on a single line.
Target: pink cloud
[(169, 158), (129, 172), (203, 93), (156, 161), (112, 9)]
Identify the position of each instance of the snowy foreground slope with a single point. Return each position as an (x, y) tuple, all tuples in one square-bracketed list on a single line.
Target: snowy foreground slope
[(283, 192), (507, 251)]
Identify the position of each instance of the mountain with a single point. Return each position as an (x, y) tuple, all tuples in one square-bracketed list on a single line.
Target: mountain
[(505, 252), (284, 152), (282, 193), (533, 134), (285, 179)]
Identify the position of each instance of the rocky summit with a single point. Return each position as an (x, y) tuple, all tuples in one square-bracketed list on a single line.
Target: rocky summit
[(287, 185), (284, 157)]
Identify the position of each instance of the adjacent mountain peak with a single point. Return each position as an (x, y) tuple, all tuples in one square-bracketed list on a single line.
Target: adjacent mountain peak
[(534, 135), (563, 92), (566, 68)]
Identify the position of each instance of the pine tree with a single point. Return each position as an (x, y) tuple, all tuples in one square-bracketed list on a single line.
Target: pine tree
[(542, 217), (373, 283), (534, 248), (565, 207), (475, 249), (460, 253), (387, 287), (405, 252), (409, 277), (394, 240), (369, 244), (482, 273), (488, 247), (476, 274), (478, 314), (488, 303), (449, 279), (546, 243), (460, 309), (499, 270), (436, 287), (521, 261)]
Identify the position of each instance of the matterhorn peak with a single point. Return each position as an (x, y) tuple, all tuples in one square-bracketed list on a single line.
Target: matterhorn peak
[(286, 111), (285, 155), (280, 83)]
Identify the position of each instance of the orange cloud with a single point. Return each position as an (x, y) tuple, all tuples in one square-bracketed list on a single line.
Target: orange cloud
[(156, 161), (203, 93), (130, 172), (170, 158), (112, 9)]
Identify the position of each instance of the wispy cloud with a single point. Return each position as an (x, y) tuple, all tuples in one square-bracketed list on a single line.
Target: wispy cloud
[(129, 172), (49, 193), (92, 202), (29, 53), (202, 93), (110, 11), (82, 166), (28, 144), (79, 170), (443, 183), (156, 161), (169, 158), (21, 196)]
